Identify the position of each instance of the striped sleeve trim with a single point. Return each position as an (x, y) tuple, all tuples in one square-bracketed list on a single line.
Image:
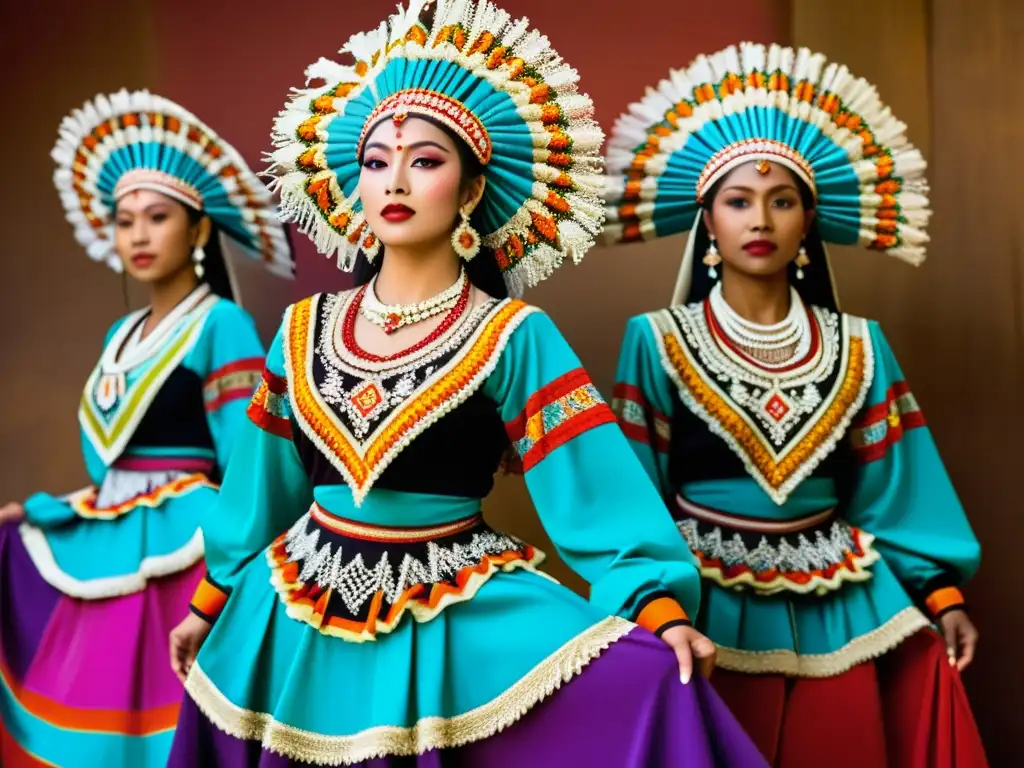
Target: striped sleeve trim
[(660, 611), (556, 414), (268, 408), (208, 600), (235, 381), (944, 600), (638, 420), (883, 425)]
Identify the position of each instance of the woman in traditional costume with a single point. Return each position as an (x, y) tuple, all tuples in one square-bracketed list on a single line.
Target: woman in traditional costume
[(92, 581), (781, 431), (362, 611)]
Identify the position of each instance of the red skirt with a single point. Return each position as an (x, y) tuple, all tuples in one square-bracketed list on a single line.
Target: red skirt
[(907, 709)]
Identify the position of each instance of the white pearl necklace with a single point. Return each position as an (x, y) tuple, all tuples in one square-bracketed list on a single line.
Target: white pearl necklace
[(786, 339), (391, 317)]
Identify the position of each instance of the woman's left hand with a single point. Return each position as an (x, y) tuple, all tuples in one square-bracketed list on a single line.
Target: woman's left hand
[(689, 644), (961, 637)]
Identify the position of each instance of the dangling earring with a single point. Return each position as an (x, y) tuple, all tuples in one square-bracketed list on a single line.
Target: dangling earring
[(370, 246), (465, 239), (198, 257), (802, 260), (712, 259)]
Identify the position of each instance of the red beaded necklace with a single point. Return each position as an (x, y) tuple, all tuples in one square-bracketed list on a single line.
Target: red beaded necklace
[(348, 328)]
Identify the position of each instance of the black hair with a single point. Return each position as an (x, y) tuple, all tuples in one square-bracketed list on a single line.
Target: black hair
[(816, 287), (215, 269), (483, 271)]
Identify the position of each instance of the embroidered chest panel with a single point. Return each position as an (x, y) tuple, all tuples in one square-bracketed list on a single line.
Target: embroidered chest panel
[(361, 413), (119, 392), (781, 422)]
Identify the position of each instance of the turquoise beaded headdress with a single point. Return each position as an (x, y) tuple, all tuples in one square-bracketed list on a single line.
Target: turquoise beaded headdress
[(498, 85), (128, 141), (752, 103)]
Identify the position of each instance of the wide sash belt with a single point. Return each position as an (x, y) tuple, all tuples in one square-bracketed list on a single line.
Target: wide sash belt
[(356, 580), (816, 553)]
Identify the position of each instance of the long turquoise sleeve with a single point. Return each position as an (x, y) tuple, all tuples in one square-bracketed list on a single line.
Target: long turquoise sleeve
[(266, 489), (902, 494), (643, 401), (605, 517)]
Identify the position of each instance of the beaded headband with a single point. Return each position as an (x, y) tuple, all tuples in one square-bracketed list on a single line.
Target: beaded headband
[(758, 151), (449, 111), (158, 181)]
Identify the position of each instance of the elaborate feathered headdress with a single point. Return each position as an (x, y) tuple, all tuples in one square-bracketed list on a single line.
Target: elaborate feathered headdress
[(127, 141), (496, 84), (752, 103)]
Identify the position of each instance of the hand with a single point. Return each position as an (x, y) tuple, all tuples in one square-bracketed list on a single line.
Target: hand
[(186, 639), (961, 637), (12, 513), (688, 644)]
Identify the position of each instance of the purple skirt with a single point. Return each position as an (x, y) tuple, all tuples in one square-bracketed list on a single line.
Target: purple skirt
[(626, 709), (86, 676)]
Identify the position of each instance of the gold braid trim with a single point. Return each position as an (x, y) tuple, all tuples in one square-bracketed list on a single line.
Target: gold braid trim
[(875, 643), (427, 734)]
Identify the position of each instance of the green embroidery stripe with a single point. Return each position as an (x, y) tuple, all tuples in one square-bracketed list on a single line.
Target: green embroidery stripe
[(140, 389)]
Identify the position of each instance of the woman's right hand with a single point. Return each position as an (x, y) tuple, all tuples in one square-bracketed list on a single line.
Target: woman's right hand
[(12, 513), (186, 640)]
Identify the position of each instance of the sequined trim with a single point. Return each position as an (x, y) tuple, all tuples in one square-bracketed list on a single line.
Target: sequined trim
[(556, 414), (431, 733), (361, 462), (868, 646), (812, 562), (268, 408), (110, 429), (882, 425), (325, 581), (711, 383), (83, 502), (638, 420), (235, 381)]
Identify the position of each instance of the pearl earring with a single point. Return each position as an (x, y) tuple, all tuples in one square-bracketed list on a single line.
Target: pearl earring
[(712, 258), (198, 257), (802, 260)]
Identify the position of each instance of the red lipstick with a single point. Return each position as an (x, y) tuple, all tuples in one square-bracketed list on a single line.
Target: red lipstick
[(760, 247), (143, 260), (396, 212)]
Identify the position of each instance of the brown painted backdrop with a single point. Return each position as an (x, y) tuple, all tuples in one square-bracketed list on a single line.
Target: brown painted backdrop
[(956, 323), (948, 68)]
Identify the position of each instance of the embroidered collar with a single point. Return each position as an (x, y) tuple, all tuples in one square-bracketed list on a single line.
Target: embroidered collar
[(780, 422), (126, 350), (361, 415), (113, 403)]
